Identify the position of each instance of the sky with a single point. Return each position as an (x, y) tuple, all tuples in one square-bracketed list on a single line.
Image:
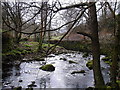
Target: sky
[(64, 3)]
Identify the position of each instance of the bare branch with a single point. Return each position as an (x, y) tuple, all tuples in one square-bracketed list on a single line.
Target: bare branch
[(85, 34), (112, 11), (73, 6), (53, 47)]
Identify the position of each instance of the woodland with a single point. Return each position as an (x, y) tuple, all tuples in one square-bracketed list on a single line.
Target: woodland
[(60, 44)]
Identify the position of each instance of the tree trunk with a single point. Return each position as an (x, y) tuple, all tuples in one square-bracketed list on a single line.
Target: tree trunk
[(41, 33), (99, 82), (116, 54)]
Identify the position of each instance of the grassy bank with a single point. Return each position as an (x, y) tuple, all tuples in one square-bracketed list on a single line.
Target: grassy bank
[(74, 45)]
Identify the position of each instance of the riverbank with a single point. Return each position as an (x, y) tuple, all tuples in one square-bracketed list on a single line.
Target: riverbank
[(27, 49)]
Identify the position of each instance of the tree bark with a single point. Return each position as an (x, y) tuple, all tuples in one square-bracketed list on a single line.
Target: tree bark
[(93, 23), (116, 54)]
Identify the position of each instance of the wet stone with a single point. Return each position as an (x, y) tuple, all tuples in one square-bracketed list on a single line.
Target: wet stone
[(20, 80), (89, 64), (51, 55), (76, 72), (32, 84), (48, 67), (70, 62), (64, 59)]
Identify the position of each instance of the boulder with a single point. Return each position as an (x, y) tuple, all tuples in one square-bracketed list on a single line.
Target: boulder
[(64, 59), (32, 84), (89, 64), (74, 72), (70, 62), (48, 67), (106, 58)]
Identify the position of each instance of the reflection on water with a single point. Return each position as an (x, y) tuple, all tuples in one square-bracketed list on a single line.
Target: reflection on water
[(28, 74)]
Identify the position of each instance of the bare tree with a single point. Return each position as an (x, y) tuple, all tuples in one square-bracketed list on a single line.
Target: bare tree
[(14, 19), (99, 82), (115, 53)]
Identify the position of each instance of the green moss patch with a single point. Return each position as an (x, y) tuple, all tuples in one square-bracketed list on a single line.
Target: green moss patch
[(26, 45), (108, 62), (48, 67), (18, 88), (89, 64), (118, 81), (12, 53), (106, 58)]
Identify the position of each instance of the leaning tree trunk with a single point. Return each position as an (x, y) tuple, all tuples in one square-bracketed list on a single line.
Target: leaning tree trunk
[(99, 82)]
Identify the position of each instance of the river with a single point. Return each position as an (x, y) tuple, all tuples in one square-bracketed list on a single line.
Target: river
[(28, 72)]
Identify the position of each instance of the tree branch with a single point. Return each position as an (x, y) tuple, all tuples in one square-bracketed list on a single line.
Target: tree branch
[(53, 47), (72, 6), (85, 34)]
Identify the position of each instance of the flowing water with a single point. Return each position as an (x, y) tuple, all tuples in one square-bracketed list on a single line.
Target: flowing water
[(28, 72)]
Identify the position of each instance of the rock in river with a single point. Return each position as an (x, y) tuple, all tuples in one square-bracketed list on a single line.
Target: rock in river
[(48, 67), (74, 72), (64, 59), (70, 62), (89, 64)]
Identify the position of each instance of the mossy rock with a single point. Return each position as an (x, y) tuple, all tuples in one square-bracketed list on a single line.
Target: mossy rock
[(70, 62), (48, 67), (39, 59), (89, 64), (106, 58), (24, 52), (18, 88), (108, 87), (26, 45), (12, 53), (108, 62), (118, 81), (64, 59), (74, 72)]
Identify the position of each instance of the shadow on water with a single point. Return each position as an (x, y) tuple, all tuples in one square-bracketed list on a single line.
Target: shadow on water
[(29, 74)]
